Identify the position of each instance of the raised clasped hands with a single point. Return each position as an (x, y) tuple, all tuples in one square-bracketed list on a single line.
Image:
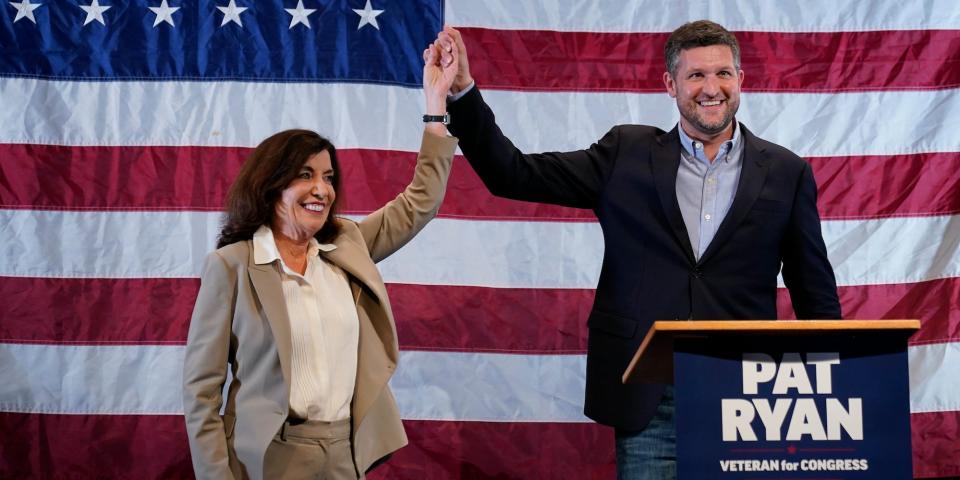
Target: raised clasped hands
[(449, 40), (440, 67)]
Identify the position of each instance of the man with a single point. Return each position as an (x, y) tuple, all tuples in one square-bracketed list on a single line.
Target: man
[(697, 223)]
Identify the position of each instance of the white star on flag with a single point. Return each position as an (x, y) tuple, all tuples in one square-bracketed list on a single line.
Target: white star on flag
[(299, 14), (164, 13), (231, 13), (25, 10), (95, 12), (368, 16)]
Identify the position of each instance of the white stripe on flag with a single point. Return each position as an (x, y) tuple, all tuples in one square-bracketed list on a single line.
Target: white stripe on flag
[(103, 379), (357, 116), (743, 15), (935, 377), (94, 244), (146, 379), (860, 122), (893, 250), (447, 252), (490, 387)]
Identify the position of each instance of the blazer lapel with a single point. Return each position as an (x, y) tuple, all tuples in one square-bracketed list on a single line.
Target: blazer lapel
[(355, 260), (665, 160), (267, 283), (753, 173)]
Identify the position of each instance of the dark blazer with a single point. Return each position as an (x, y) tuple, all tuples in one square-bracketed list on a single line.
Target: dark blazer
[(628, 178)]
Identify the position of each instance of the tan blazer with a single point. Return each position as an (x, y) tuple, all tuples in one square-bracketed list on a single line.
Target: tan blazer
[(240, 319)]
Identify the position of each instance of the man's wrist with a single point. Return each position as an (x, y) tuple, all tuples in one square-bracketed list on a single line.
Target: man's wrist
[(461, 85), (458, 95)]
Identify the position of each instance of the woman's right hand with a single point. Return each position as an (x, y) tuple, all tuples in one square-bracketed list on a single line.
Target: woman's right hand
[(439, 71)]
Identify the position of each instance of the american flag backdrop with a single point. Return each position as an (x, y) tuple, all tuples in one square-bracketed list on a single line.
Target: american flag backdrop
[(122, 124)]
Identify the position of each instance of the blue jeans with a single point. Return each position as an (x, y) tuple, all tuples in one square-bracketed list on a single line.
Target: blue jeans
[(651, 453)]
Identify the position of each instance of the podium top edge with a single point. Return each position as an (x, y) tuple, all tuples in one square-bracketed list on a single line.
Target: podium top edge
[(784, 325), (653, 361)]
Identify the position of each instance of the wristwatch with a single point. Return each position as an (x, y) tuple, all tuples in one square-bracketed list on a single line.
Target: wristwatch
[(444, 119)]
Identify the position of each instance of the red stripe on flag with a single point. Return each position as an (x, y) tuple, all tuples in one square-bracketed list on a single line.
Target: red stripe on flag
[(51, 177), (936, 451), (933, 302), (429, 317), (96, 311), (155, 446), (774, 62), (473, 450), (197, 178), (864, 187), (117, 178), (477, 319), (94, 446)]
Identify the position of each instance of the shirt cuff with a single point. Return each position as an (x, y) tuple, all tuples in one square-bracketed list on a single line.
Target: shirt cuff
[(461, 93)]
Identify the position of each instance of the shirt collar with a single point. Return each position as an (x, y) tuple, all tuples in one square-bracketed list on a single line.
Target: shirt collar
[(725, 148), (265, 247)]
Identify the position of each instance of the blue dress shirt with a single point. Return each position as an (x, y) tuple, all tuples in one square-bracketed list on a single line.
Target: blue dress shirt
[(705, 189)]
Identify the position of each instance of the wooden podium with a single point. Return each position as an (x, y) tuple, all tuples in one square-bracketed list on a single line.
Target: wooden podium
[(784, 399)]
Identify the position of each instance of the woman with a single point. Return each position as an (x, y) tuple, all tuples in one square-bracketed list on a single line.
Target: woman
[(292, 301)]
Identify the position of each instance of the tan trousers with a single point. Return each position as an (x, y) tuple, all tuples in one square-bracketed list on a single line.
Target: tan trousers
[(311, 450)]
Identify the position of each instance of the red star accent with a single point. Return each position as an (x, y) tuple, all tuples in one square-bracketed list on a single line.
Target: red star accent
[(791, 449)]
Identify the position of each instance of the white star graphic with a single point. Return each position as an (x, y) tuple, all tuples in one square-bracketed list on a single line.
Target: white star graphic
[(368, 16), (300, 14), (231, 13), (95, 12), (164, 13), (25, 10)]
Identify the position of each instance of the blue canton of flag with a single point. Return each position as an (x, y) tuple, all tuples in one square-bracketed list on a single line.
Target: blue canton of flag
[(365, 41)]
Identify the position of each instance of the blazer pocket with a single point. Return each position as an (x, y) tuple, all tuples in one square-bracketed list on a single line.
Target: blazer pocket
[(616, 325), (228, 423)]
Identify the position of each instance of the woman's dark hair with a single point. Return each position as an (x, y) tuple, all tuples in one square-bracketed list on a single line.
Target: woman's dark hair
[(265, 174)]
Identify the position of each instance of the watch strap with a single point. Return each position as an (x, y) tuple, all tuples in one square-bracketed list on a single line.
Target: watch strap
[(444, 119)]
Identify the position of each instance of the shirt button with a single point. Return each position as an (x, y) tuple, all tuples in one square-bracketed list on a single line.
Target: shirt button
[(706, 217), (711, 180), (697, 145)]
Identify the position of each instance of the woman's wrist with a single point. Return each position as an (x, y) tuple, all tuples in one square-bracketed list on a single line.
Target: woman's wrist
[(436, 105), (436, 128)]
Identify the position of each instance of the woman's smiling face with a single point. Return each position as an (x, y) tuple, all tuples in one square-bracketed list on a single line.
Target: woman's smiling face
[(304, 206)]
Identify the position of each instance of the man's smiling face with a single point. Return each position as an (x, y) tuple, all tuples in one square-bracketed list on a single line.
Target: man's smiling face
[(706, 85)]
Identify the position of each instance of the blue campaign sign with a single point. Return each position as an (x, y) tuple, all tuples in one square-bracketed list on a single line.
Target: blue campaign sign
[(793, 408)]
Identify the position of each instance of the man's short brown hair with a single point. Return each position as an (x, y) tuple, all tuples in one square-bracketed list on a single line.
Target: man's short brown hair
[(701, 33)]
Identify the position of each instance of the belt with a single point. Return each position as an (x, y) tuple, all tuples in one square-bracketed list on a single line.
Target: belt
[(315, 429)]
